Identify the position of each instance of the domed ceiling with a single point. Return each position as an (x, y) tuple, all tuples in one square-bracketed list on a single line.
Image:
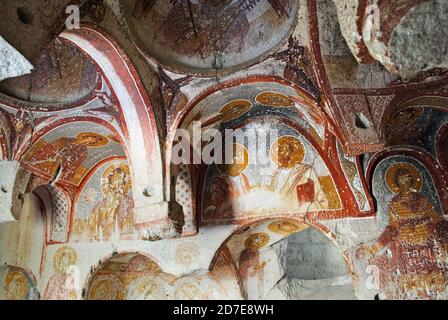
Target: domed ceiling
[(206, 37), (62, 75)]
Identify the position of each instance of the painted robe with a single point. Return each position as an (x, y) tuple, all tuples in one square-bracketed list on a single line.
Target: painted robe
[(65, 151), (415, 264), (110, 213), (223, 190), (60, 287), (252, 273)]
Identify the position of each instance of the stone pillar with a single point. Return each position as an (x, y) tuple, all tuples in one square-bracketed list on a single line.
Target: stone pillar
[(13, 182)]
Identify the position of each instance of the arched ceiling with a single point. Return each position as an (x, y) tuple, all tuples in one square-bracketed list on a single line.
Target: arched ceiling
[(229, 107), (209, 36)]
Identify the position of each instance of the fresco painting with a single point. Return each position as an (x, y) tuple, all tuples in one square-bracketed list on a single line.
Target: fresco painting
[(296, 180), (411, 252), (71, 150), (234, 31), (136, 277), (256, 252), (251, 268), (62, 284), (417, 126), (246, 101), (105, 205), (346, 197), (17, 284)]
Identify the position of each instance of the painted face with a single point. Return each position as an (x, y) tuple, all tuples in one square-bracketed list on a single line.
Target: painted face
[(405, 181), (287, 152), (14, 287), (65, 261), (255, 243), (117, 181)]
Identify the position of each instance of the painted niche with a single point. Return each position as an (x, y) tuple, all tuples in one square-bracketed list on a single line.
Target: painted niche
[(293, 178), (104, 208), (411, 253), (17, 284)]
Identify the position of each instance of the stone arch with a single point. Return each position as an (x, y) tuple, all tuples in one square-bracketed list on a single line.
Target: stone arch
[(56, 181), (141, 133), (56, 204), (305, 115), (277, 239)]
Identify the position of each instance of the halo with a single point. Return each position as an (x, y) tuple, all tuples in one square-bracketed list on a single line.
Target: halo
[(262, 240), (284, 144), (235, 169), (187, 288), (410, 115), (235, 109), (101, 142), (390, 173), (23, 280), (274, 99), (58, 266), (111, 283), (286, 227), (108, 171)]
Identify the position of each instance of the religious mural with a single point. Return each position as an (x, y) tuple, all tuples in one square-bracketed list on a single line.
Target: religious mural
[(132, 276), (105, 204), (251, 100), (273, 214), (411, 252), (417, 126), (211, 34), (293, 177), (17, 284), (71, 150), (296, 180), (250, 267), (62, 284), (255, 258)]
